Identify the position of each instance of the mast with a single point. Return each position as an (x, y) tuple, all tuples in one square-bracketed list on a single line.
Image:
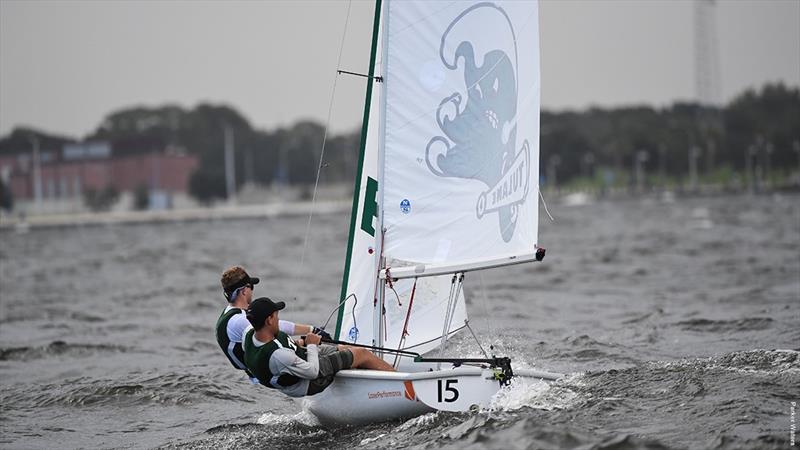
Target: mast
[(380, 296), (362, 149)]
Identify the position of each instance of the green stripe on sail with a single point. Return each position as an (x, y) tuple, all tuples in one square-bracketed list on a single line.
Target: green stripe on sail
[(356, 191)]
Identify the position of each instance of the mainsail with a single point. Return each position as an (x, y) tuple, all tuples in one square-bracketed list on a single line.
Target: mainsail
[(449, 166), (462, 127)]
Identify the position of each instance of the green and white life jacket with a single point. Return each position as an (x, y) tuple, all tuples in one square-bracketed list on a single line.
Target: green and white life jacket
[(233, 350), (257, 359)]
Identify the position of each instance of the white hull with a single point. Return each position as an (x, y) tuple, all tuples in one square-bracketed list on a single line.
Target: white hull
[(367, 396)]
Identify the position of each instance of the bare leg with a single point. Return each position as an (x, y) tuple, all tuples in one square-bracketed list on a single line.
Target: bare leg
[(365, 359)]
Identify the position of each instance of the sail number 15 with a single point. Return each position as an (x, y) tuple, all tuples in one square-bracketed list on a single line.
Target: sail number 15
[(448, 386)]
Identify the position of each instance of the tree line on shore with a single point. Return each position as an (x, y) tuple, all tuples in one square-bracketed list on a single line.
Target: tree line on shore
[(757, 131), (756, 135)]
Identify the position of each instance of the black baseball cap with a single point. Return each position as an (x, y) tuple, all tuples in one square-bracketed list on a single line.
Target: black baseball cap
[(235, 278), (260, 309)]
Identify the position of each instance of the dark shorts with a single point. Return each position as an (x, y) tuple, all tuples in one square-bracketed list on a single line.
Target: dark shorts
[(331, 360)]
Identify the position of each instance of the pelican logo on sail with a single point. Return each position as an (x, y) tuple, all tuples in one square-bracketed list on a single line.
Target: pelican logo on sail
[(479, 138)]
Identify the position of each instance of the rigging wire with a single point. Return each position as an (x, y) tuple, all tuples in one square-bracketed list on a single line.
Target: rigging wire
[(355, 299), (408, 316), (325, 137), (452, 302), (545, 205), (485, 302), (455, 302), (466, 323)]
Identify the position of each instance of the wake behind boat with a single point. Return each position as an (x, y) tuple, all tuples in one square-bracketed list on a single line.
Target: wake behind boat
[(447, 184)]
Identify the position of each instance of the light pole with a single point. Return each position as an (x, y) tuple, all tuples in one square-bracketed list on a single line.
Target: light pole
[(711, 150), (37, 172), (587, 163), (230, 168), (552, 165), (749, 153), (768, 164), (796, 147), (759, 167), (641, 158), (694, 153)]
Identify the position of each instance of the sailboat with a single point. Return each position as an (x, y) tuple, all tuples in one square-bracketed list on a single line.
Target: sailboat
[(447, 184)]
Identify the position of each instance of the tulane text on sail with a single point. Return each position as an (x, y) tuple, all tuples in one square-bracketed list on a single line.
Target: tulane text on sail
[(511, 189)]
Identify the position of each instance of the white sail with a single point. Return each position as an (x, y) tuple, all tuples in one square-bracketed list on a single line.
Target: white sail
[(357, 311), (420, 326), (461, 140), (451, 149), (451, 161)]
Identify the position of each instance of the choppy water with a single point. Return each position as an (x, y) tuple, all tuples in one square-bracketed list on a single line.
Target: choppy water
[(677, 322)]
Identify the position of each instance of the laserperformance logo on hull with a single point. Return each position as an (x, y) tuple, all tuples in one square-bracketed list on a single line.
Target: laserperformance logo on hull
[(479, 133)]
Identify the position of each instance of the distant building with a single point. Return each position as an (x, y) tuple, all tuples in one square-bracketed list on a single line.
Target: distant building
[(68, 172)]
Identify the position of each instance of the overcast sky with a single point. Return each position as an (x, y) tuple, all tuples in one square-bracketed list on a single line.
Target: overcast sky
[(64, 64)]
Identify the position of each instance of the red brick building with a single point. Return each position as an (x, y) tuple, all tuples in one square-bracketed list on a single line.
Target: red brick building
[(70, 171)]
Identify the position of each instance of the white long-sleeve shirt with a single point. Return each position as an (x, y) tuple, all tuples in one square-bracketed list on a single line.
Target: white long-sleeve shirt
[(239, 324), (285, 361)]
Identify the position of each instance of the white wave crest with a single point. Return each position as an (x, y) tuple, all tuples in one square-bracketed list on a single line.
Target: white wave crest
[(370, 440), (537, 394), (425, 419), (303, 417)]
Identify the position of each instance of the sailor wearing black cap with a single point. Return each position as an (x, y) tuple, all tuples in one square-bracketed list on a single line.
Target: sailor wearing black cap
[(237, 286), (278, 362)]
